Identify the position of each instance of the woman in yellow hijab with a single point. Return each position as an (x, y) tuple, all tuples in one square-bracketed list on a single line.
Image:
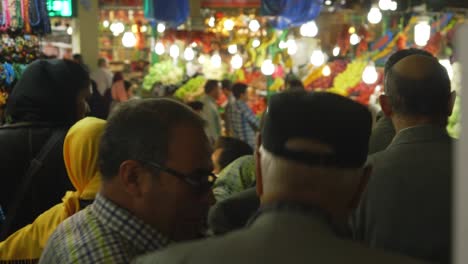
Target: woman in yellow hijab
[(80, 153)]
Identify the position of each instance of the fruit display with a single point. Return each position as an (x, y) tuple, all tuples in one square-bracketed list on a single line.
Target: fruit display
[(277, 85), (191, 89), (164, 72), (351, 77), (325, 82), (313, 75)]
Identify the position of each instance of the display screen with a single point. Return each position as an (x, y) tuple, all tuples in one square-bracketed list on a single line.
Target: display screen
[(60, 8)]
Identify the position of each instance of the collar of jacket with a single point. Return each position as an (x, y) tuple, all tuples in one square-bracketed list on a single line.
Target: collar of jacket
[(425, 133)]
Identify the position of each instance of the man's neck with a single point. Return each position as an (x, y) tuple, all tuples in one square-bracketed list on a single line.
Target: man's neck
[(402, 123)]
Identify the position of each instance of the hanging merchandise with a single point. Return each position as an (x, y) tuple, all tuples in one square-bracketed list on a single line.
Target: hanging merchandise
[(289, 13), (39, 17), (174, 12)]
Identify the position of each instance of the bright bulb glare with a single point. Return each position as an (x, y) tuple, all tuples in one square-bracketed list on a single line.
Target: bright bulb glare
[(385, 4), (202, 59), (336, 51), (228, 24), (232, 49), (318, 58), (105, 23), (267, 67), (422, 33), (254, 25), (144, 29), (309, 29), (161, 27), (256, 43), (189, 54), (448, 66), (174, 51), (216, 60), (370, 75), (292, 46), (328, 2), (374, 16), (282, 45), (394, 6), (134, 28), (129, 40), (237, 61), (354, 39), (117, 28), (69, 30), (211, 22), (159, 48), (352, 30), (326, 71)]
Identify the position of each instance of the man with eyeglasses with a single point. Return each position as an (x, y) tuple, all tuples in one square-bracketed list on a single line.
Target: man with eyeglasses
[(155, 161), (309, 163)]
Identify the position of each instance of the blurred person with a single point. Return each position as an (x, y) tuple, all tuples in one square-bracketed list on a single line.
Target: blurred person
[(226, 150), (99, 105), (120, 88), (48, 99), (226, 86), (80, 152), (407, 204), (384, 131), (243, 120), (307, 176), (78, 58), (102, 76), (196, 106), (154, 158), (295, 85), (210, 110)]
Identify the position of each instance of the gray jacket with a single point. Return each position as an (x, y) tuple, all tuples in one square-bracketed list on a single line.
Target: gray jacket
[(276, 237), (406, 207)]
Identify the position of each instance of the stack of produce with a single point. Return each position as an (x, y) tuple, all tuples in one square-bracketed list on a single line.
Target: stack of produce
[(192, 89), (351, 77), (165, 73), (324, 82)]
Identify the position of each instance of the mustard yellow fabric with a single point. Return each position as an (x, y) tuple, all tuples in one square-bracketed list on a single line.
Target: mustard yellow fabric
[(80, 151)]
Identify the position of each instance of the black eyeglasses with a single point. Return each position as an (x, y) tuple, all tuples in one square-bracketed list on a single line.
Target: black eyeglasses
[(201, 180)]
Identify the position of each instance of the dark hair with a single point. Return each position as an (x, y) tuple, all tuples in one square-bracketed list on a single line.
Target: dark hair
[(226, 84), (238, 89), (118, 76), (211, 85), (127, 85), (426, 96), (47, 92), (232, 149), (141, 130), (401, 54), (78, 58), (295, 85), (196, 105), (102, 62)]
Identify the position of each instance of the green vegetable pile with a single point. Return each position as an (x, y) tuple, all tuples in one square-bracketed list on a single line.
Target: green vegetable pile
[(164, 72), (190, 88)]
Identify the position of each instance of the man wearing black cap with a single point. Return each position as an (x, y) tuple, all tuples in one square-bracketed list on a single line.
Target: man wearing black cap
[(308, 174)]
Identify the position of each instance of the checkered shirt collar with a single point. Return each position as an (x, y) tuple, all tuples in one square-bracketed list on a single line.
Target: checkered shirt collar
[(121, 221)]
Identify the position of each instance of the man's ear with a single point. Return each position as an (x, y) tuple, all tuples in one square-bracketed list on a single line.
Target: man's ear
[(258, 167), (384, 101), (131, 176), (362, 185), (453, 97)]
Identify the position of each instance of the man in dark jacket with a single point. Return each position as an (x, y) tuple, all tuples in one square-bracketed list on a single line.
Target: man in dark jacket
[(47, 100)]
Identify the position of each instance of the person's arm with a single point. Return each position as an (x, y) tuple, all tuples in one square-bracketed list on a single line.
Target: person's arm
[(251, 118)]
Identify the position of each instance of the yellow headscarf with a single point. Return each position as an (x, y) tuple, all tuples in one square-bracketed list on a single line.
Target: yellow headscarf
[(80, 153)]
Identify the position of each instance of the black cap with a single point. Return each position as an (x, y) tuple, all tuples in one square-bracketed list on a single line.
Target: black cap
[(330, 119)]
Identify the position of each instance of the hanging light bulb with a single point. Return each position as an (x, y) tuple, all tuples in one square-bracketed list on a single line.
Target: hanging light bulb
[(232, 49), (422, 33), (448, 66), (129, 40), (237, 61), (159, 48), (135, 28), (189, 54), (267, 67), (105, 23), (282, 45), (256, 43), (194, 44), (354, 39), (117, 28), (318, 58), (352, 30), (211, 22), (201, 59), (374, 16), (228, 24), (69, 30), (370, 75), (144, 29), (394, 6), (216, 60), (309, 29), (292, 46), (161, 27), (336, 51), (385, 4), (326, 71), (254, 25), (328, 2), (174, 51)]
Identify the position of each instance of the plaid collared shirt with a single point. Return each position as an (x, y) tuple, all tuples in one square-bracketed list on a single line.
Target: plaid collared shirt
[(101, 233), (244, 122)]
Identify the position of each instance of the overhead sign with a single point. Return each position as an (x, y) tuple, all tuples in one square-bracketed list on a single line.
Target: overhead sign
[(61, 8)]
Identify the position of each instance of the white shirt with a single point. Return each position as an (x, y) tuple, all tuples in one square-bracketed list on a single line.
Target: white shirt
[(103, 79)]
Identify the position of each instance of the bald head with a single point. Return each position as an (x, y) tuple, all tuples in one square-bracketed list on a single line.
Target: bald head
[(418, 85)]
